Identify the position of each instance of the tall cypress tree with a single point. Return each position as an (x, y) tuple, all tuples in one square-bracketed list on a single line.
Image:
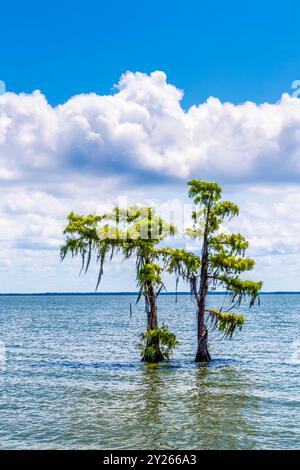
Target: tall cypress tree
[(134, 233), (222, 263)]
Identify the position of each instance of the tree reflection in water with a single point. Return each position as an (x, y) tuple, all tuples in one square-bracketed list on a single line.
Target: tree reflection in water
[(209, 409)]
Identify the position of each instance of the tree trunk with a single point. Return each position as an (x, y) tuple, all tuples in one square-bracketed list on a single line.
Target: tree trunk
[(202, 350), (152, 324)]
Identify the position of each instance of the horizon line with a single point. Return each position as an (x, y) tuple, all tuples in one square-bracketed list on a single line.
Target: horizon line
[(129, 293)]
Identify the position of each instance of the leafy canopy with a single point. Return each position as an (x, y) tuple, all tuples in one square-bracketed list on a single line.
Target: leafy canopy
[(135, 231), (223, 258)]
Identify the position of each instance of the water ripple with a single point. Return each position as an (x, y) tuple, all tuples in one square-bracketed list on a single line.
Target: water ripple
[(71, 377)]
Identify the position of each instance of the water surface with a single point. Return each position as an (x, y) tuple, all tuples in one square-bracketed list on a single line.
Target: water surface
[(71, 377)]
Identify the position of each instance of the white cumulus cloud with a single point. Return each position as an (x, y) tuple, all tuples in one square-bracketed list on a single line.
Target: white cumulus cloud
[(142, 130), (89, 152)]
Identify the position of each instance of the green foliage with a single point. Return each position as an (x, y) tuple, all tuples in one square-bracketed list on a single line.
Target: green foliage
[(234, 243), (180, 262), (155, 341), (242, 289), (132, 232), (225, 209), (150, 272), (139, 226), (230, 263), (204, 192), (226, 322), (223, 256)]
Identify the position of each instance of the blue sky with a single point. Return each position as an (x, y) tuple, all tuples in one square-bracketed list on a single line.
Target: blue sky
[(203, 90), (236, 51)]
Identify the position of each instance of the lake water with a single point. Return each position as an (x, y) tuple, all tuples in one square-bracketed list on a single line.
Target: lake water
[(71, 377)]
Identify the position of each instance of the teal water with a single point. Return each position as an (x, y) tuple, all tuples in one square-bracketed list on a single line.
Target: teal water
[(70, 377)]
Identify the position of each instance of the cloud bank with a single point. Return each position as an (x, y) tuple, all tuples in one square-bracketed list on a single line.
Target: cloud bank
[(86, 153), (142, 130)]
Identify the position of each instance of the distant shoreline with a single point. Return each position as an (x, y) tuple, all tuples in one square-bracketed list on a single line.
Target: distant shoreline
[(48, 294)]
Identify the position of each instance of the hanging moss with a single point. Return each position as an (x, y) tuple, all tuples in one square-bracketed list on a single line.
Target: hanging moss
[(226, 322)]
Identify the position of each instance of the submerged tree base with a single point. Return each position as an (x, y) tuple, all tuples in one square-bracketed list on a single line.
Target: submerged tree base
[(157, 344), (203, 357), (153, 358), (152, 352), (202, 351)]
